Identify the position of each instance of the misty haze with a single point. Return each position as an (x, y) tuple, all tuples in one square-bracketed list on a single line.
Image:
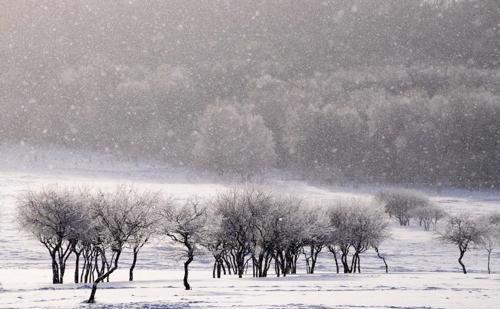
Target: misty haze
[(250, 154)]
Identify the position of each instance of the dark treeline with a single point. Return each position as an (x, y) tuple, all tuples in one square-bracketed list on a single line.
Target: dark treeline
[(400, 91)]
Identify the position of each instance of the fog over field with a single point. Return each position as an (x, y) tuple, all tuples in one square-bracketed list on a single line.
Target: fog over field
[(259, 153)]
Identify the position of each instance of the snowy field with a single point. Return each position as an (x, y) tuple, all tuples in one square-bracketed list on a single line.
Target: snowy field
[(424, 272)]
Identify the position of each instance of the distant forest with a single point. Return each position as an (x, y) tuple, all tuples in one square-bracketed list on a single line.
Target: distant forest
[(393, 91)]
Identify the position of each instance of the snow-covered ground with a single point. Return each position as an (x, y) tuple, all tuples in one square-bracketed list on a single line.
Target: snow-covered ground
[(424, 272), (163, 289)]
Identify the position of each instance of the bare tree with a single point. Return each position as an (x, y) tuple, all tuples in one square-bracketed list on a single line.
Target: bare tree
[(148, 205), (399, 203), (464, 232), (54, 217), (316, 236), (185, 225), (87, 247), (382, 258), (491, 236), (120, 217), (216, 244), (237, 224), (84, 233), (289, 234), (357, 226), (266, 223), (428, 216)]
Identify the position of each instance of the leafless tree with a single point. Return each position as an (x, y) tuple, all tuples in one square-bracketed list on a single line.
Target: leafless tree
[(316, 236), (185, 225), (428, 215), (382, 258), (84, 233), (491, 236), (54, 217), (399, 203), (357, 226), (266, 218), (237, 224), (148, 205), (464, 232), (120, 217), (289, 231), (216, 244)]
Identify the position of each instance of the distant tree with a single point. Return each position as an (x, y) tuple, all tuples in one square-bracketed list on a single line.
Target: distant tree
[(232, 139), (464, 232), (428, 215), (185, 225), (399, 203), (491, 236)]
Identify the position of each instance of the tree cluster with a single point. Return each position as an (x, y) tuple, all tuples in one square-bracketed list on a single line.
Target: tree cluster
[(407, 204), (239, 228), (94, 226), (403, 91), (257, 228)]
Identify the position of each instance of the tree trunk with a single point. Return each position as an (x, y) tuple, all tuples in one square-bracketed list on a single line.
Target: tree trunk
[(345, 265), (336, 261), (55, 269), (132, 267), (186, 272), (228, 265), (294, 265), (218, 269), (353, 263), (77, 266), (383, 260), (462, 252), (100, 278), (83, 267), (240, 265), (62, 269), (489, 259), (314, 257), (221, 263)]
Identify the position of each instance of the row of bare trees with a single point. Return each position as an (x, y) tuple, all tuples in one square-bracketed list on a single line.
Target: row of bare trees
[(257, 228), (97, 226), (240, 227)]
